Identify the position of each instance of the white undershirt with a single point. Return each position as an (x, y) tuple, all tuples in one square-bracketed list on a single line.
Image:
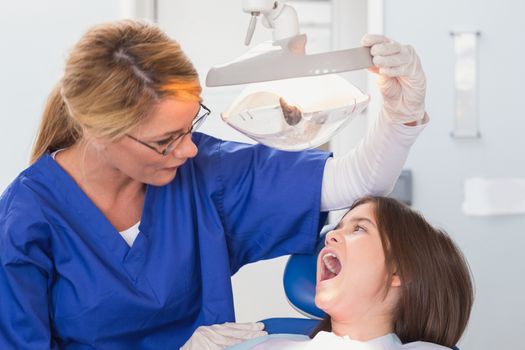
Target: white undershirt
[(130, 234)]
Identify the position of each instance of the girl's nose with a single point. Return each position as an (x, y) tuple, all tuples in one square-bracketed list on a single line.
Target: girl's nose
[(332, 237)]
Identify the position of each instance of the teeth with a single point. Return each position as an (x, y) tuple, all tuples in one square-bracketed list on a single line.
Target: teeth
[(328, 263)]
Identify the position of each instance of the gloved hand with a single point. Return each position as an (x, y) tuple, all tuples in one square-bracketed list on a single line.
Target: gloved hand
[(221, 336), (401, 79)]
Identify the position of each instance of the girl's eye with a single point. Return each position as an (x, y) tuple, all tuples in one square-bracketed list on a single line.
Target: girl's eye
[(358, 228)]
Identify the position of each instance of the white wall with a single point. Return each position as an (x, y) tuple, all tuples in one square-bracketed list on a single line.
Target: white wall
[(35, 36), (493, 245)]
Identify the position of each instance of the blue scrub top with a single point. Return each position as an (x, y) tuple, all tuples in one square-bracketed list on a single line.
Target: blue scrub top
[(68, 280)]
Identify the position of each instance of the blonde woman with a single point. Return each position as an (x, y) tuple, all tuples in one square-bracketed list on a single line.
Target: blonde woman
[(124, 231)]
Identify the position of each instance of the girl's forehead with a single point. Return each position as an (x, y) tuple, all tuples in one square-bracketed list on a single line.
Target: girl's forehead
[(362, 210)]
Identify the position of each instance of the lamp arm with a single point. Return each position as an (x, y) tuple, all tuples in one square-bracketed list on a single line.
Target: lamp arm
[(278, 15)]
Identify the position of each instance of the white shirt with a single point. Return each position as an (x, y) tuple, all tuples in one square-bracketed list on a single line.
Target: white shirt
[(328, 340), (130, 234)]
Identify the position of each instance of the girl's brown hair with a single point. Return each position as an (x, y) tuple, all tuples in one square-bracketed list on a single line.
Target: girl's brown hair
[(436, 290), (113, 77)]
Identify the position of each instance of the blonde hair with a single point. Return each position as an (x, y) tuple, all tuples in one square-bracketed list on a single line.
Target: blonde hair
[(113, 77)]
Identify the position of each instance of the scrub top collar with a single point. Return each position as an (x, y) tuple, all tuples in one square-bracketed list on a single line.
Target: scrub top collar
[(101, 229)]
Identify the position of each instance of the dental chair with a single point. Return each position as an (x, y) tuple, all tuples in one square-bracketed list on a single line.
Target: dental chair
[(299, 285)]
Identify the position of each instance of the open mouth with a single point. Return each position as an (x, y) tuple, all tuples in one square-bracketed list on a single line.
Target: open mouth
[(331, 266)]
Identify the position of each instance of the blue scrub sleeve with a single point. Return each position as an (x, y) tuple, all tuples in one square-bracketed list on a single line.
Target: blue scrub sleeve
[(25, 269), (269, 201)]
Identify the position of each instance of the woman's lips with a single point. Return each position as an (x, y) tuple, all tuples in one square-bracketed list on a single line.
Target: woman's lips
[(174, 167)]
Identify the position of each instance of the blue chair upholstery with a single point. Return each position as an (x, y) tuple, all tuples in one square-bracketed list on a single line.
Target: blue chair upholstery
[(289, 325), (299, 285)]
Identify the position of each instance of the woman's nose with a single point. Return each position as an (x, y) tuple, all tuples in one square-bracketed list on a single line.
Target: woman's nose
[(186, 149), (331, 238)]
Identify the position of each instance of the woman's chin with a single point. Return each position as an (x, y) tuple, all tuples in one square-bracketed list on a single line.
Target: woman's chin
[(163, 178)]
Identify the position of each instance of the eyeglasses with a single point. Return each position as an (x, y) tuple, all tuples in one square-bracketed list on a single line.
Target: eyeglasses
[(172, 142)]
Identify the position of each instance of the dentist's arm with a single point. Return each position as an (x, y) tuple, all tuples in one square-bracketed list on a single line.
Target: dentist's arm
[(373, 167)]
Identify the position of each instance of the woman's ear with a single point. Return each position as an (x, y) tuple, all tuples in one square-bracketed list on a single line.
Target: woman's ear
[(396, 280), (97, 143)]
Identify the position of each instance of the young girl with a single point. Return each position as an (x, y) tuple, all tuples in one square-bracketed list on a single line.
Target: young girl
[(388, 280)]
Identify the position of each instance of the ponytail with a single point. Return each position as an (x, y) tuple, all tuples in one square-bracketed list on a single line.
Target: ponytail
[(57, 129)]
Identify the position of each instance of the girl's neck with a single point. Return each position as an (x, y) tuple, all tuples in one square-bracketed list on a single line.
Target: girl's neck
[(363, 328)]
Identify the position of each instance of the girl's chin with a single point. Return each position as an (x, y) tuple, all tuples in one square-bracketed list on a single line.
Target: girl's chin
[(324, 301)]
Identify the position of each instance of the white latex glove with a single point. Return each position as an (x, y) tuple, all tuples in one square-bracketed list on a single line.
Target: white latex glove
[(221, 336), (401, 78)]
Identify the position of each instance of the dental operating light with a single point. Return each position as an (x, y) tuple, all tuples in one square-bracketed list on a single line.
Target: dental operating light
[(294, 101), (284, 57)]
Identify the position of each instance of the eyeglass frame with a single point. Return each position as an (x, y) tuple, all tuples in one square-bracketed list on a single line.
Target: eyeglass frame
[(198, 120)]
